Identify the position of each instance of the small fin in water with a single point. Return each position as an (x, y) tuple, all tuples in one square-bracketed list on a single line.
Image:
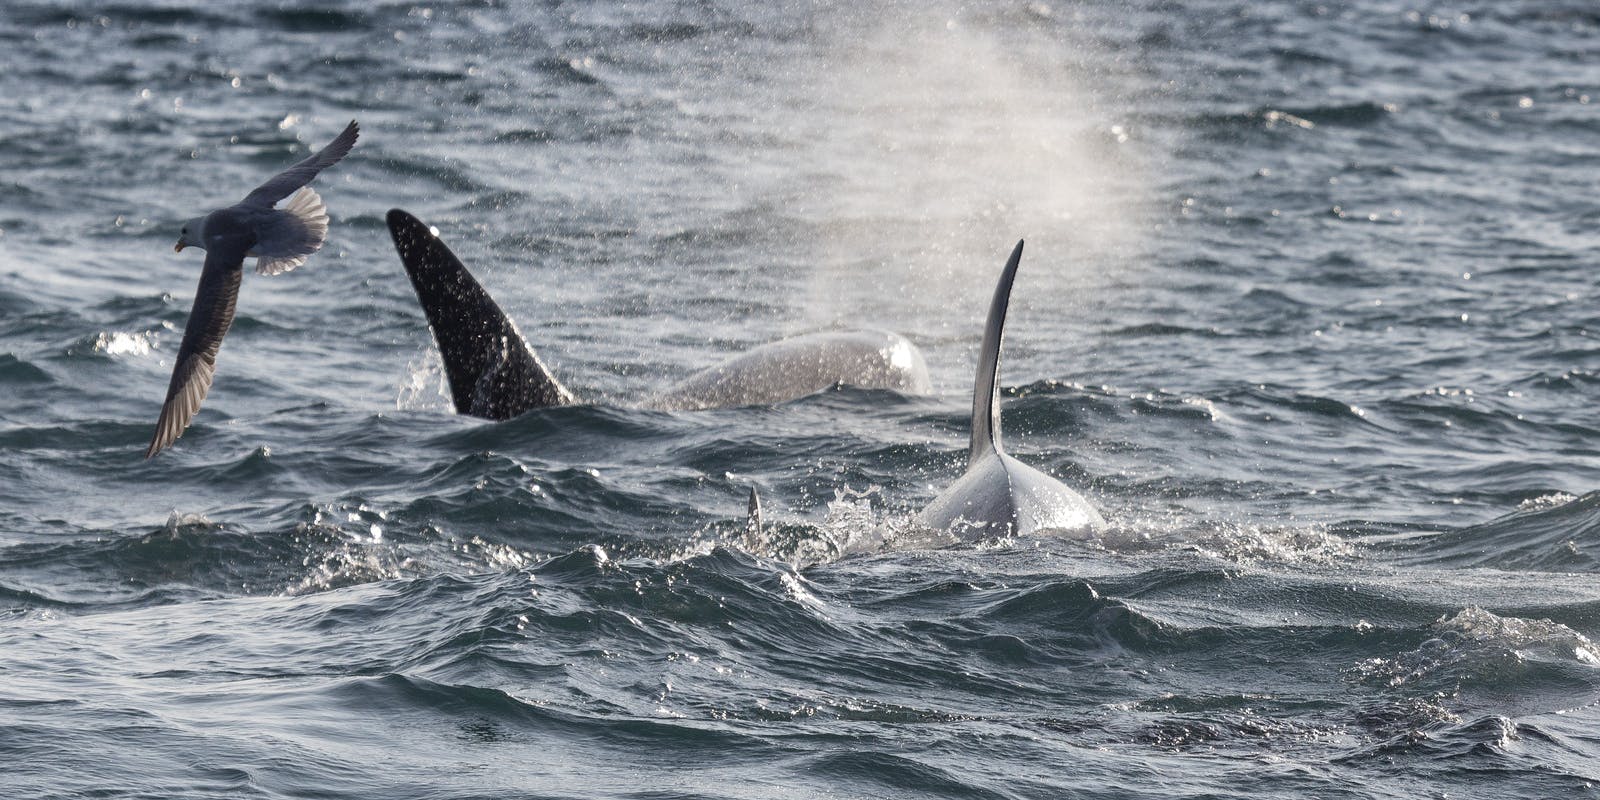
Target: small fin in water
[(752, 522)]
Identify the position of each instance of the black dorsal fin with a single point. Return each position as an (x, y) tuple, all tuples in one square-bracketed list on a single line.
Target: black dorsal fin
[(493, 373), (986, 388)]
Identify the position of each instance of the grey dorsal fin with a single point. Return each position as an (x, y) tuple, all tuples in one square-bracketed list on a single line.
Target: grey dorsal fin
[(493, 373), (986, 388)]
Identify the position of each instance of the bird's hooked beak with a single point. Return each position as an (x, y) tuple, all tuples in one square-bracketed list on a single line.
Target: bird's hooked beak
[(178, 248)]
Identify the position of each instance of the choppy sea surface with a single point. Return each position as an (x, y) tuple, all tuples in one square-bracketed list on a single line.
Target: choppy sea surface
[(1308, 310)]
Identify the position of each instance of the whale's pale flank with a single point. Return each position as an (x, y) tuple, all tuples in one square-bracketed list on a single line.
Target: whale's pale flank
[(494, 374), (279, 239), (999, 495)]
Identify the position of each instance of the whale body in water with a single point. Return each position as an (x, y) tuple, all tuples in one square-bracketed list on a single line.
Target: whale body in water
[(494, 374), (999, 495)]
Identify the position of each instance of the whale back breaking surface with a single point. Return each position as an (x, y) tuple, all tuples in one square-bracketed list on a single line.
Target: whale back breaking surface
[(802, 365), (493, 373), (999, 495)]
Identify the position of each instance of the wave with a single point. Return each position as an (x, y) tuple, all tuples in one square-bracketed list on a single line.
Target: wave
[(1555, 533), (14, 370)]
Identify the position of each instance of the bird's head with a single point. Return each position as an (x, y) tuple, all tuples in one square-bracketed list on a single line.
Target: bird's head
[(192, 235)]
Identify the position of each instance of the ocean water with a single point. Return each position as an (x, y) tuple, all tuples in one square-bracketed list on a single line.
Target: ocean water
[(1308, 310)]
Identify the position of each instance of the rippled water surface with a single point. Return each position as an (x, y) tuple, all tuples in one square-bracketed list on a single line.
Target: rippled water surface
[(1308, 311)]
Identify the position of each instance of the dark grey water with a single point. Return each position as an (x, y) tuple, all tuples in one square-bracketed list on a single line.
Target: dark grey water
[(1308, 311)]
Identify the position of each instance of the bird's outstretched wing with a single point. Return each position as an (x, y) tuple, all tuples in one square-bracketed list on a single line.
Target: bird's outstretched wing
[(209, 321), (284, 183)]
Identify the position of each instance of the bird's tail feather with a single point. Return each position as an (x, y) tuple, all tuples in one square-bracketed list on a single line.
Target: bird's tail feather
[(307, 209)]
